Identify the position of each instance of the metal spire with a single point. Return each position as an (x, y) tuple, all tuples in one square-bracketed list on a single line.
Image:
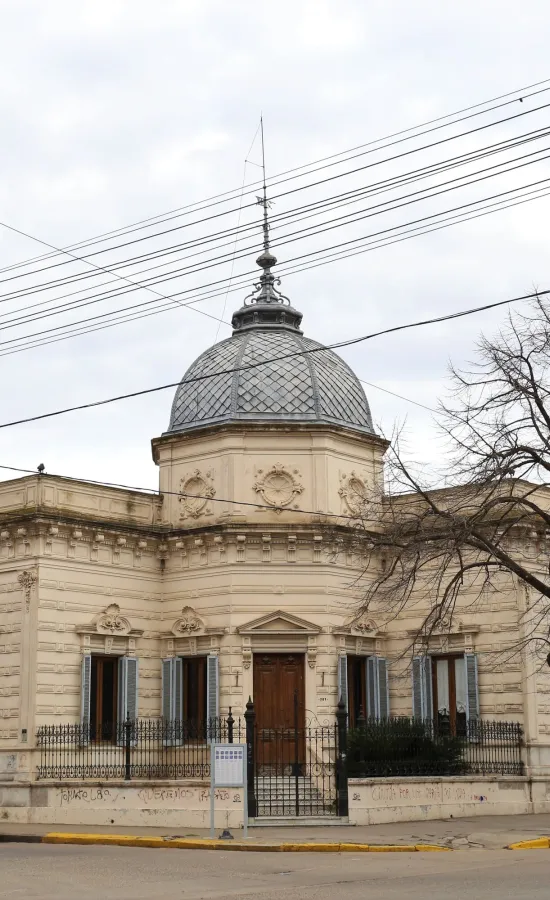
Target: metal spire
[(266, 306), (267, 292), (263, 201)]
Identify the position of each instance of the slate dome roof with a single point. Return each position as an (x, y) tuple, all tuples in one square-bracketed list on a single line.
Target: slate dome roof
[(296, 385)]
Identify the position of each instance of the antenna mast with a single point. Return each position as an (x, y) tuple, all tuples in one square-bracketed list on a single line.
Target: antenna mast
[(263, 201)]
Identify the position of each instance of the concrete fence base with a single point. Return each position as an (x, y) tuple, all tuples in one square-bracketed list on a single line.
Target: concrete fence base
[(186, 804)]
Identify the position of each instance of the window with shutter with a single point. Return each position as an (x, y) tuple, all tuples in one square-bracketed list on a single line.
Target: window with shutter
[(343, 680), (455, 691)]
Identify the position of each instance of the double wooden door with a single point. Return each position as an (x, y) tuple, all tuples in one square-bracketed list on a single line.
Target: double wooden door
[(279, 700)]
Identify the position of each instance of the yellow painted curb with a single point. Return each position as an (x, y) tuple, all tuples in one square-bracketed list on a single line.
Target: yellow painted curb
[(542, 843), (130, 840)]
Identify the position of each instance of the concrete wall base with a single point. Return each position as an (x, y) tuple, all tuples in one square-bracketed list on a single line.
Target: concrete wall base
[(186, 804), (380, 800), (172, 805)]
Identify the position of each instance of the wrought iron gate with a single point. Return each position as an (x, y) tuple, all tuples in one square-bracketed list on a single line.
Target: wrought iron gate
[(297, 771)]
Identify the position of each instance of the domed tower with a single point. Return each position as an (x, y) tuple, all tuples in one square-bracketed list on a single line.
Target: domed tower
[(266, 422), (270, 446)]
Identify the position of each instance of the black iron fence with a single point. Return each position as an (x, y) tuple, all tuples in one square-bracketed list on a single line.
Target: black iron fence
[(138, 748), (296, 770), (408, 747)]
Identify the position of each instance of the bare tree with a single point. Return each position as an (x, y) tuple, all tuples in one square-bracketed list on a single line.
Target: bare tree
[(434, 546)]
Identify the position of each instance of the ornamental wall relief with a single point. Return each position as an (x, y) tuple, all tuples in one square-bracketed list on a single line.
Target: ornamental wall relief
[(111, 622), (27, 579), (197, 488), (278, 487), (188, 624), (353, 492)]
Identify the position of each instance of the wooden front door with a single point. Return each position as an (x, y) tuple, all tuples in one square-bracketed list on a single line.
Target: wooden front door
[(279, 700)]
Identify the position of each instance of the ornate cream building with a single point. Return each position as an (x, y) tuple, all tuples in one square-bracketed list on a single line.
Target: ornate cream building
[(231, 581)]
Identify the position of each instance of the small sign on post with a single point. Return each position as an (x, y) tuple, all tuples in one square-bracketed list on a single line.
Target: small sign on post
[(228, 770)]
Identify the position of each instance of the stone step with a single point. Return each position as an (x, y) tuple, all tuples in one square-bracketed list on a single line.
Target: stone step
[(283, 821)]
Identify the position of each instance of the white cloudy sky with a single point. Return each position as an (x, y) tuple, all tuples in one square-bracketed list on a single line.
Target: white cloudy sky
[(113, 111)]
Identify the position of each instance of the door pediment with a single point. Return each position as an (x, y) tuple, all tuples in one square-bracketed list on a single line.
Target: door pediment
[(279, 622)]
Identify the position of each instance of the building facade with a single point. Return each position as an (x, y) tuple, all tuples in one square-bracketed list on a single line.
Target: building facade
[(235, 580)]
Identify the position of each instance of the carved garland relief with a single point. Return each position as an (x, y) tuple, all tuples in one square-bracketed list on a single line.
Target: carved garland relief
[(278, 487), (27, 580)]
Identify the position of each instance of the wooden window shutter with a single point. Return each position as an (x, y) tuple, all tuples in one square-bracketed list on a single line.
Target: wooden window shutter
[(473, 686), (212, 695), (343, 680)]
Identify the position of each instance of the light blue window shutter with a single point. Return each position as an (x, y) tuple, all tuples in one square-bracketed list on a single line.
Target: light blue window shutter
[(372, 688), (343, 680), (172, 700), (212, 695), (177, 689), (85, 694), (131, 687), (167, 702), (127, 695), (383, 688), (422, 687), (378, 703), (473, 687)]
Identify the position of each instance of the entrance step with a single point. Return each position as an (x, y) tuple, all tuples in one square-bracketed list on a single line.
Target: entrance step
[(284, 821)]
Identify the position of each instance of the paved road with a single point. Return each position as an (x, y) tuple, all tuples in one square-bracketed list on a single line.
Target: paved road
[(42, 872)]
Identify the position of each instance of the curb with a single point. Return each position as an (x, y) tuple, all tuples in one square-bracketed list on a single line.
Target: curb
[(542, 843), (122, 840)]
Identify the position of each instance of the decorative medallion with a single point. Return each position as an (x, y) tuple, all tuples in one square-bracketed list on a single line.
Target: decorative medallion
[(111, 622), (189, 623), (353, 492), (197, 489), (278, 487)]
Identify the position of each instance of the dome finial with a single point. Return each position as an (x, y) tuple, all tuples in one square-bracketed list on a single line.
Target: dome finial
[(266, 288), (266, 306)]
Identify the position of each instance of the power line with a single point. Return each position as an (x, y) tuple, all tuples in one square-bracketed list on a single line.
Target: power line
[(418, 230), (85, 259), (277, 359), (292, 237), (294, 259), (524, 96), (352, 196)]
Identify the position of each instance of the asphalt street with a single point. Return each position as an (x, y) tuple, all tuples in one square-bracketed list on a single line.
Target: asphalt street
[(46, 872)]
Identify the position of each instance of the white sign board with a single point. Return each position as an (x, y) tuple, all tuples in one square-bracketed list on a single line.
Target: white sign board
[(229, 769)]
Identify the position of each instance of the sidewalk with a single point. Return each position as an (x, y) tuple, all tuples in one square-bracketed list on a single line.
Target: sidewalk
[(476, 833)]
